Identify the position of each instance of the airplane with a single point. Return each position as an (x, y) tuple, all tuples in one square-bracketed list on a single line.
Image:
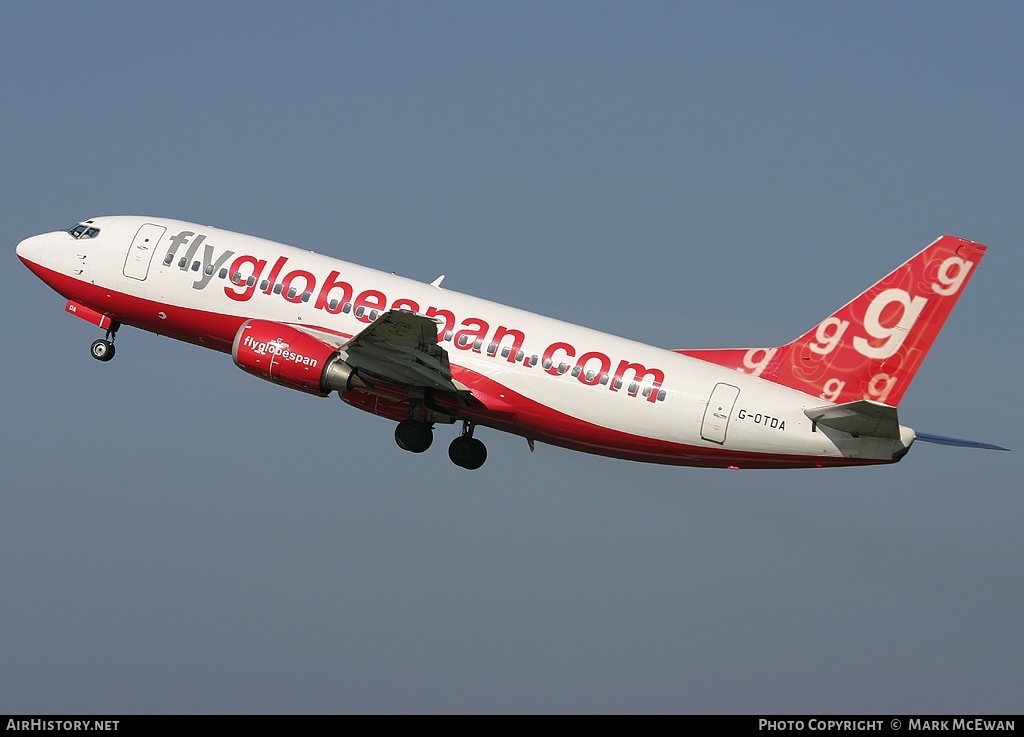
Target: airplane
[(421, 355)]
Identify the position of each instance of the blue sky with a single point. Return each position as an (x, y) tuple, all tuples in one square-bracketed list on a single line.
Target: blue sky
[(177, 536)]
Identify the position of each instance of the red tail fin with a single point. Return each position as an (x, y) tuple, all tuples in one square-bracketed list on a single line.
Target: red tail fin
[(872, 347)]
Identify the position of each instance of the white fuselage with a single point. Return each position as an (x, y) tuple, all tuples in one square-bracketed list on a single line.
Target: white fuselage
[(545, 379)]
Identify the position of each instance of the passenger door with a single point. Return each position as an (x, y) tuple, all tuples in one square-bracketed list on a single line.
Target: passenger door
[(140, 254)]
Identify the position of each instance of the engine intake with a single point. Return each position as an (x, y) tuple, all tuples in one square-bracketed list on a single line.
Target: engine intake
[(285, 355)]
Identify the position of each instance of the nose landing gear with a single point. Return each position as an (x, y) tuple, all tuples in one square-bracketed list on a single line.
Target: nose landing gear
[(103, 349)]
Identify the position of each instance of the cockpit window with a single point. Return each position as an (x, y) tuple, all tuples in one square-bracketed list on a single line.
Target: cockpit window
[(83, 230)]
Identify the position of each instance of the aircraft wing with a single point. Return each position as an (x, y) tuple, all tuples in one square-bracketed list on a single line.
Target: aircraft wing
[(401, 347)]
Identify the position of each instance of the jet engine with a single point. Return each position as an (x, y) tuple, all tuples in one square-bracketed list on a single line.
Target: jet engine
[(290, 357)]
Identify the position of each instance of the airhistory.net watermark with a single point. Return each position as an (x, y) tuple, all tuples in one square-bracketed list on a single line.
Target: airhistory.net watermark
[(62, 725)]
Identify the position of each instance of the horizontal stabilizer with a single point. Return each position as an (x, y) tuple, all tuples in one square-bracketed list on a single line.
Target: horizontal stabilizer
[(943, 440), (862, 417)]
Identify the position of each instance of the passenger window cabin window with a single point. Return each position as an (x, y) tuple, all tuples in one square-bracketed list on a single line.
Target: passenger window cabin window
[(223, 274)]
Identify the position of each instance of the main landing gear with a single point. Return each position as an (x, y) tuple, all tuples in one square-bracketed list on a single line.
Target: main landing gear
[(103, 349), (465, 451), (414, 436)]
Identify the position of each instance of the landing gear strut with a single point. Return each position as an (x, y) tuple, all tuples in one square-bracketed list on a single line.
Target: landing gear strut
[(103, 349), (413, 435), (466, 451)]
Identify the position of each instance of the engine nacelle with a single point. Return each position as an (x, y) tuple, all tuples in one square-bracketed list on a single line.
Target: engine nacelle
[(287, 356)]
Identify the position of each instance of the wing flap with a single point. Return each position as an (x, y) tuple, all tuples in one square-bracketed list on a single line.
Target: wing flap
[(401, 347)]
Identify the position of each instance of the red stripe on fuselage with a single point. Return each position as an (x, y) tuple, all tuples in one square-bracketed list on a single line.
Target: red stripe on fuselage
[(539, 422), (209, 329)]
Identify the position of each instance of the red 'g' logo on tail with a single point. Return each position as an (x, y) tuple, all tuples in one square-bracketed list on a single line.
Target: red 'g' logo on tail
[(871, 347)]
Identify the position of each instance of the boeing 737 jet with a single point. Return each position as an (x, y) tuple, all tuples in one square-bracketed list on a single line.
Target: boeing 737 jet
[(422, 356)]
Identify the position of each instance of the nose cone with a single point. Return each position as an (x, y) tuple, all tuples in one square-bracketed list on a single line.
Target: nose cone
[(30, 250)]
